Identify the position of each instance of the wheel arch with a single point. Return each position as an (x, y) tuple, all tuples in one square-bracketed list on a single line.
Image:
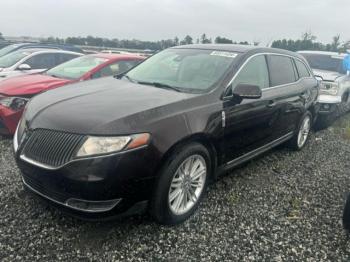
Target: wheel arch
[(201, 138)]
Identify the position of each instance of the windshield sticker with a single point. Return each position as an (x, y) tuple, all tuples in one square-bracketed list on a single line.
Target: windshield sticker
[(223, 53)]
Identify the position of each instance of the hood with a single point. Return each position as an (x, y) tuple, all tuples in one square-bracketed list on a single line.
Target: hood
[(102, 106), (328, 75), (30, 84)]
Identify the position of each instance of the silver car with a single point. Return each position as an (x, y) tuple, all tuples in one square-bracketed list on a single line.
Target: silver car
[(335, 88), (29, 61)]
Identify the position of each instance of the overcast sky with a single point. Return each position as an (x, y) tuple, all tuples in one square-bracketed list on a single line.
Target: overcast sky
[(251, 20)]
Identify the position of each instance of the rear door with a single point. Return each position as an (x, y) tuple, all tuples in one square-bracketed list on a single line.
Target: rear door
[(287, 92), (250, 124)]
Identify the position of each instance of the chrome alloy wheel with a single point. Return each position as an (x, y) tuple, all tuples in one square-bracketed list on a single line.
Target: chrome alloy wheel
[(187, 184), (304, 131)]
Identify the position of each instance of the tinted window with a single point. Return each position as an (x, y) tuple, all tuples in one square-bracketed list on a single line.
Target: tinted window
[(302, 70), (61, 58), (41, 61), (332, 63), (254, 73), (281, 70), (116, 68)]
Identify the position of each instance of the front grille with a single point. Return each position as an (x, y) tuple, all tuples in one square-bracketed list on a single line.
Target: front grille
[(52, 148)]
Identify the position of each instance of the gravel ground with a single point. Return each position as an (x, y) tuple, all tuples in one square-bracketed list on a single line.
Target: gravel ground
[(282, 206)]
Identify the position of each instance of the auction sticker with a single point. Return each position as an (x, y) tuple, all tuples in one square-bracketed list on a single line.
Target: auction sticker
[(223, 53)]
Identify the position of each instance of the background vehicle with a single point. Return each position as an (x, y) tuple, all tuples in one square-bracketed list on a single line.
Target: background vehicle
[(176, 121), (335, 90), (15, 47), (31, 61), (16, 91)]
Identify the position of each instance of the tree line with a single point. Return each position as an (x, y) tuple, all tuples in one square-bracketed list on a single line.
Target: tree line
[(306, 42), (138, 44)]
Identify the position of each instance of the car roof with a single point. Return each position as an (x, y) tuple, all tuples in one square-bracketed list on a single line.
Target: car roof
[(238, 48), (116, 56), (45, 50), (321, 53)]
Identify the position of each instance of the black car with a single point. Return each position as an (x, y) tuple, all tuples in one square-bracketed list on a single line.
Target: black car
[(157, 135), (15, 47)]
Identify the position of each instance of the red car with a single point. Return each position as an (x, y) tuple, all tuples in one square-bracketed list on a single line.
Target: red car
[(16, 91)]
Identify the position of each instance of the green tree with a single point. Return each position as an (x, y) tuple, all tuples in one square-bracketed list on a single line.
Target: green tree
[(335, 43), (204, 39), (176, 40), (223, 40)]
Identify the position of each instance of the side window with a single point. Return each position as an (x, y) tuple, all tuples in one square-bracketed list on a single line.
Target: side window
[(41, 61), (281, 70), (61, 58), (302, 70), (254, 73), (115, 68)]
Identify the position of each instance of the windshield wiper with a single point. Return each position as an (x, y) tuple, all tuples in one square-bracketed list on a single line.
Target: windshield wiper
[(160, 85), (120, 76)]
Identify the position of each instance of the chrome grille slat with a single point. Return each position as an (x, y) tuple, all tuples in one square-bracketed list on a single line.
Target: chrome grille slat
[(52, 148)]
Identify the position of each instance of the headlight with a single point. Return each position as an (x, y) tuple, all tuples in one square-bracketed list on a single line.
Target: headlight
[(15, 103), (96, 145), (329, 88)]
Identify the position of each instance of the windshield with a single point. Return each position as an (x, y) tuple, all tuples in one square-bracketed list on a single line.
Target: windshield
[(325, 62), (7, 49), (189, 70), (12, 58), (76, 68)]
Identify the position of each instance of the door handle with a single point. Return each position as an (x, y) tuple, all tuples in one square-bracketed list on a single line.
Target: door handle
[(271, 103)]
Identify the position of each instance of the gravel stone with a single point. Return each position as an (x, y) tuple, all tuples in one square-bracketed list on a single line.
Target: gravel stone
[(282, 206)]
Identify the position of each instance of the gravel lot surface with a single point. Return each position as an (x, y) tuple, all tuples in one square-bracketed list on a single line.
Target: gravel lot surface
[(282, 206)]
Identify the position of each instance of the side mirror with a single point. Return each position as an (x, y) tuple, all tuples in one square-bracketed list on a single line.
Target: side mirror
[(319, 80), (247, 91), (24, 67)]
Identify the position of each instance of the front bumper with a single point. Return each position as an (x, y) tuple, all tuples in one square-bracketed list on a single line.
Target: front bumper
[(328, 103), (125, 178), (9, 120), (329, 99)]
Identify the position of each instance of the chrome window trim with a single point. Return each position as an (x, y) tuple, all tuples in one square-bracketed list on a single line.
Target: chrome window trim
[(270, 87)]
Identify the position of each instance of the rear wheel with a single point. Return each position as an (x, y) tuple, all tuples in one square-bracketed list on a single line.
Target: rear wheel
[(181, 185), (300, 138)]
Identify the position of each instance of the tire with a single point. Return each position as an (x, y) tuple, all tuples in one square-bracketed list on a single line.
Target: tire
[(164, 209), (346, 215), (305, 123)]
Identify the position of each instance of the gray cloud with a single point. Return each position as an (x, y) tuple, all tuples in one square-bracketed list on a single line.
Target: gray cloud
[(252, 20)]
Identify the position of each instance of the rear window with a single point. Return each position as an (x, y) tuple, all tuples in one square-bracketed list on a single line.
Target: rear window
[(302, 70), (281, 70)]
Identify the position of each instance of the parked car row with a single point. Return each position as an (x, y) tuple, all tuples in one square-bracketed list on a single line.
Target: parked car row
[(28, 72), (154, 136)]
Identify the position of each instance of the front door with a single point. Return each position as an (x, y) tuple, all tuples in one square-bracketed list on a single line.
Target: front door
[(250, 124)]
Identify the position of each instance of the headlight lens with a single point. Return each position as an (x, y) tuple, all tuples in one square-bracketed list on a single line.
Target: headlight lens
[(329, 88), (15, 103), (95, 145)]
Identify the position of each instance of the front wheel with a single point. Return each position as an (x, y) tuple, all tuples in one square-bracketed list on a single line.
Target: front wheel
[(298, 141), (181, 184)]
